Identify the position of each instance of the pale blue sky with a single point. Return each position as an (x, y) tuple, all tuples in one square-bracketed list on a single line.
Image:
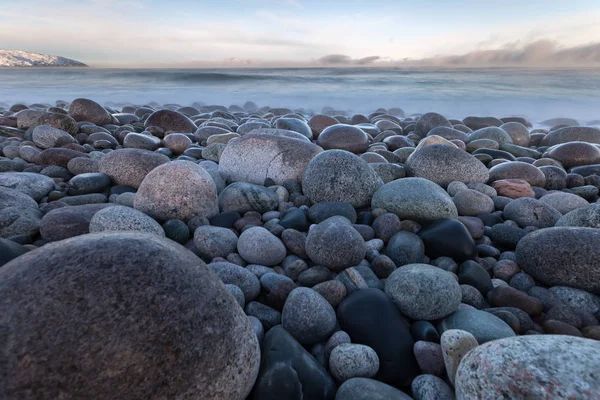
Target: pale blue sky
[(138, 32)]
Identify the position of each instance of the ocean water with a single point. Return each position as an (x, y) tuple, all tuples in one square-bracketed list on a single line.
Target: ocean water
[(535, 94)]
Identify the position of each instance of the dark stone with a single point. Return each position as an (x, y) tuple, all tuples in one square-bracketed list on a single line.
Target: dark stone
[(93, 182), (405, 248), (295, 219), (225, 219), (448, 237), (496, 154), (490, 219), (372, 319), (288, 371), (10, 250), (471, 273), (506, 235), (425, 331), (66, 222), (177, 230), (321, 211)]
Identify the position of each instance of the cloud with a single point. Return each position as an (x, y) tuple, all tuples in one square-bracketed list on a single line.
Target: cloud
[(342, 59), (541, 53)]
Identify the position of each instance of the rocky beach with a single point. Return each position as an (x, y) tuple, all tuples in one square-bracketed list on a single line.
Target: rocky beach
[(194, 251)]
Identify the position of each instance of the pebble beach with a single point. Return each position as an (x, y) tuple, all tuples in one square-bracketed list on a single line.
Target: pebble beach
[(193, 251)]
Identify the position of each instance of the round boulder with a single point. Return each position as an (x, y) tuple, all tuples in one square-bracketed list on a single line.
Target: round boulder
[(344, 137), (121, 218), (340, 176), (335, 244), (562, 256), (129, 288), (428, 121), (415, 199), (257, 245), (177, 190), (518, 170), (308, 317), (444, 164), (171, 121), (88, 110), (497, 367), (423, 292), (574, 154), (526, 211), (255, 158), (130, 166), (214, 241)]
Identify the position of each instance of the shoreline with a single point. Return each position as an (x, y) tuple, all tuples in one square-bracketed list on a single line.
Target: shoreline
[(173, 250)]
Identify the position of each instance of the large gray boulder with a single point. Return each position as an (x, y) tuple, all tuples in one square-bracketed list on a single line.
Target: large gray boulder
[(444, 164), (340, 176), (121, 316), (254, 158), (557, 367), (130, 166), (562, 256), (33, 185), (415, 199), (177, 190)]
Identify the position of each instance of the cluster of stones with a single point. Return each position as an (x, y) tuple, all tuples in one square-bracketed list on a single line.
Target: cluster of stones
[(206, 252)]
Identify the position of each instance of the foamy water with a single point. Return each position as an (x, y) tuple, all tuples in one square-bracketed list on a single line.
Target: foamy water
[(535, 94)]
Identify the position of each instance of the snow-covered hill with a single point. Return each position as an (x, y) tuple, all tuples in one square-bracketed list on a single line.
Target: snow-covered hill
[(18, 58)]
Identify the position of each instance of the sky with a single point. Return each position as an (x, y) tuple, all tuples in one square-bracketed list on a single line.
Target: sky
[(303, 32)]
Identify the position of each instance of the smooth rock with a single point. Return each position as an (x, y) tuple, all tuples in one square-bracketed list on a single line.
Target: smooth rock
[(121, 218), (307, 316), (259, 246), (484, 326), (130, 166)]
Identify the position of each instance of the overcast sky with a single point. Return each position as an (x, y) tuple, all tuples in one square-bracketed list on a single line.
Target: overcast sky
[(158, 32)]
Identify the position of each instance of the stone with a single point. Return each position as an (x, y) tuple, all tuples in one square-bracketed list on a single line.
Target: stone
[(572, 134), (429, 121), (484, 373), (471, 203), (10, 250), (349, 361), (35, 186), (141, 141), (257, 245), (17, 220), (513, 188), (130, 166), (481, 122), (506, 235), (218, 353), (575, 154), (45, 137), (368, 389), (276, 289), (56, 156), (242, 197), (319, 212), (268, 316), (235, 275), (473, 274), (372, 319), (88, 110), (494, 133), (430, 387), (92, 182), (121, 218), (213, 241), (518, 170), (577, 299), (83, 165), (518, 133), (506, 296), (319, 122), (70, 221), (335, 244), (344, 137), (564, 202), (450, 238), (562, 256), (177, 142), (443, 164), (483, 325), (288, 371), (531, 212), (429, 357), (455, 345), (170, 121), (59, 121), (255, 158), (340, 176), (556, 178), (423, 292), (177, 190), (415, 199), (308, 317)]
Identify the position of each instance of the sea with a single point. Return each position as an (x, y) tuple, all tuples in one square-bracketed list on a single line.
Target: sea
[(536, 94)]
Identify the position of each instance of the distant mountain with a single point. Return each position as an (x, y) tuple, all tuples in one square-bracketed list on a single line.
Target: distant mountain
[(18, 58)]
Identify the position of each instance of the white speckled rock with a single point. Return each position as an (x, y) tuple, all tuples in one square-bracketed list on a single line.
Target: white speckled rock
[(307, 316), (259, 246), (349, 360), (531, 367), (45, 137), (430, 387), (455, 345), (122, 218)]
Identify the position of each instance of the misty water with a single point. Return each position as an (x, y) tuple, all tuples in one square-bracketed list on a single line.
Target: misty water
[(535, 94)]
